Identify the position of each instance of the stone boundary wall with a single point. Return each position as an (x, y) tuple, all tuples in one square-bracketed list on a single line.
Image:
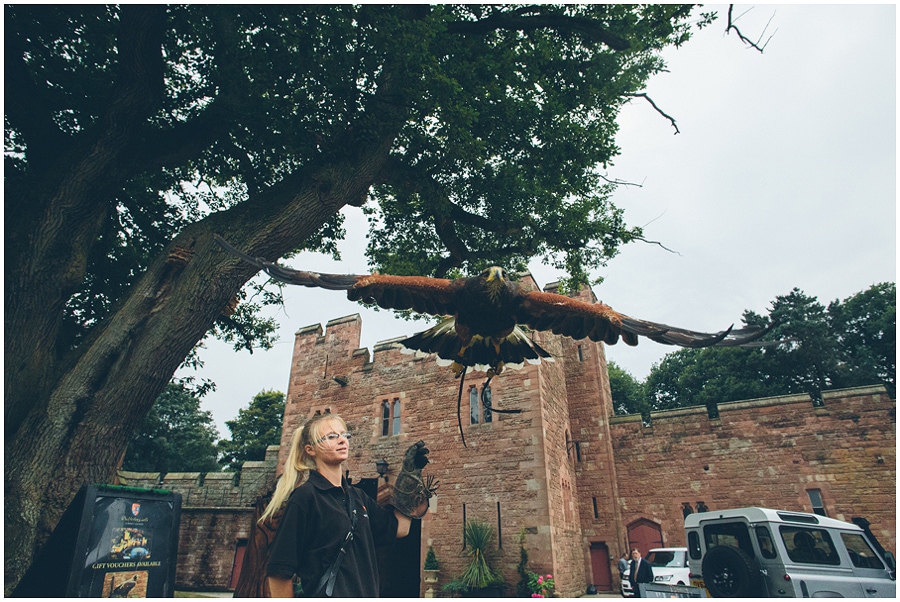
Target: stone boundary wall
[(763, 452), (217, 510)]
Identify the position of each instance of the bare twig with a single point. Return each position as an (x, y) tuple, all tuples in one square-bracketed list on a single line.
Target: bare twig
[(658, 110), (744, 39), (656, 242), (619, 182)]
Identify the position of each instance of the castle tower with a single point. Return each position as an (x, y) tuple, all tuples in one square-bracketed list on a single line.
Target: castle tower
[(517, 472)]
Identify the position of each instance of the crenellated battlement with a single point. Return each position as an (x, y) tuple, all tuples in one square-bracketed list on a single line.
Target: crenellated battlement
[(212, 489)]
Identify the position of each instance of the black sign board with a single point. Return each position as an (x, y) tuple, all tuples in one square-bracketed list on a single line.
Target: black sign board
[(659, 590), (111, 542)]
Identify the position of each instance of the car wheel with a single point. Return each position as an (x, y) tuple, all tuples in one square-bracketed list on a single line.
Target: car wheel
[(730, 573)]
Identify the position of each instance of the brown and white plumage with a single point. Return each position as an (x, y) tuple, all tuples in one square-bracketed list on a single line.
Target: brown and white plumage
[(485, 312)]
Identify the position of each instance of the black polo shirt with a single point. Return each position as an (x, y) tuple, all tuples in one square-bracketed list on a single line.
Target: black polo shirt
[(312, 529)]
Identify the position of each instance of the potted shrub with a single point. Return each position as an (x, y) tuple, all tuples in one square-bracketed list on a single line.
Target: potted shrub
[(478, 579), (431, 566)]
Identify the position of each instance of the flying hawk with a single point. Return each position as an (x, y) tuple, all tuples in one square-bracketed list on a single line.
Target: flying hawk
[(483, 315), (483, 318)]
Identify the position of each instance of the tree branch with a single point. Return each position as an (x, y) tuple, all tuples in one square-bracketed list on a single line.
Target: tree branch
[(589, 28), (656, 242), (658, 110), (618, 182), (745, 40), (26, 104)]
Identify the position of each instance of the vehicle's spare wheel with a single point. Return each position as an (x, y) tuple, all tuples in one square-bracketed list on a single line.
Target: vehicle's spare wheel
[(729, 572)]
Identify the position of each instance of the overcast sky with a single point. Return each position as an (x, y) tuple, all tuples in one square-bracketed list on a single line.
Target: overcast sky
[(783, 176)]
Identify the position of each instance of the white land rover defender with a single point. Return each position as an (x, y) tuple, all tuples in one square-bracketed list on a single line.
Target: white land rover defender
[(763, 553)]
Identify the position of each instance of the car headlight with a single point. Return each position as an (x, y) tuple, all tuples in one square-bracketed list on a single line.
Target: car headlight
[(663, 578)]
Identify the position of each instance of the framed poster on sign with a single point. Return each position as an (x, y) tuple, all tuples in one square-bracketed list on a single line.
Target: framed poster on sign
[(112, 542)]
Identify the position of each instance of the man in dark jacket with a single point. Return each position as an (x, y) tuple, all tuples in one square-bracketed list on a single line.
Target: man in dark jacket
[(641, 572), (623, 565)]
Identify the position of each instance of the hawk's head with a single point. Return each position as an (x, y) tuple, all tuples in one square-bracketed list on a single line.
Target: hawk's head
[(495, 280)]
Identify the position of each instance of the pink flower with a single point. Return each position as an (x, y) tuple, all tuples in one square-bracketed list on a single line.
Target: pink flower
[(536, 596), (549, 576), (540, 580)]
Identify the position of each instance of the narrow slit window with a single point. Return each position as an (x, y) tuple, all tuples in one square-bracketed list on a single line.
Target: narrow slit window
[(464, 526), (396, 417), (499, 529), (385, 418)]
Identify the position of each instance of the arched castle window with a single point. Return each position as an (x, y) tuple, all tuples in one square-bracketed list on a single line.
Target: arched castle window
[(385, 418), (396, 417), (480, 406), (390, 417), (486, 406)]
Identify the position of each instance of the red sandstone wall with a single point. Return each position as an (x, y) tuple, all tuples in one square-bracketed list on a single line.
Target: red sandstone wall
[(766, 452), (207, 540), (566, 561), (590, 407)]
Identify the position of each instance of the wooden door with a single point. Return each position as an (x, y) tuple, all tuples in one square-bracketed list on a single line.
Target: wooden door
[(644, 534), (238, 562), (602, 573)]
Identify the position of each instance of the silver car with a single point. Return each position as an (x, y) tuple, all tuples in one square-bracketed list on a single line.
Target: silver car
[(758, 552)]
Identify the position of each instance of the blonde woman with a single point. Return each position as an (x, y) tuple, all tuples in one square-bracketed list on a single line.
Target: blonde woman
[(329, 530)]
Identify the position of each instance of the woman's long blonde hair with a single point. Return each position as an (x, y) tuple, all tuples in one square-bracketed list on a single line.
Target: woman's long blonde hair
[(298, 461)]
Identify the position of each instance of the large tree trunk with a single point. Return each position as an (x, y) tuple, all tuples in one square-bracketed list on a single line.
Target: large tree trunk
[(70, 413), (77, 431)]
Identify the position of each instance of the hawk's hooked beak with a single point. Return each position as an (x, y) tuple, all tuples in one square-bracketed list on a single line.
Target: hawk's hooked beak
[(495, 273)]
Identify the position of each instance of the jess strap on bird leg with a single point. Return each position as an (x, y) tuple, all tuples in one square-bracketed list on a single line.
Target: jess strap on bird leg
[(411, 491)]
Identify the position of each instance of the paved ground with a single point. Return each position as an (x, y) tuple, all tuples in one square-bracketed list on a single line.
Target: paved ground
[(228, 595)]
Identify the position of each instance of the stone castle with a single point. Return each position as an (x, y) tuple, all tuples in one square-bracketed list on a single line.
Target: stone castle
[(564, 478)]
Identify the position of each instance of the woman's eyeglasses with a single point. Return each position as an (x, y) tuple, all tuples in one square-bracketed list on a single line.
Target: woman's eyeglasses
[(334, 437)]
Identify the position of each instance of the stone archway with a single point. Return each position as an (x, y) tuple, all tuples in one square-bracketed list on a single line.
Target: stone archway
[(644, 534)]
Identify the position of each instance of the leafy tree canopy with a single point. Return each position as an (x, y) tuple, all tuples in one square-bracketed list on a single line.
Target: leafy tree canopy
[(255, 428), (175, 436), (473, 134), (627, 392), (847, 344), (865, 325)]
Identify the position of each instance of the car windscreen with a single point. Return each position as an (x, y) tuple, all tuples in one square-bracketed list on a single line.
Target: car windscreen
[(664, 558)]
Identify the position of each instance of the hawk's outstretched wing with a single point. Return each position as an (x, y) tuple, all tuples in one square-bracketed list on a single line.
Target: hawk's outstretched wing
[(486, 310), (432, 296), (599, 322)]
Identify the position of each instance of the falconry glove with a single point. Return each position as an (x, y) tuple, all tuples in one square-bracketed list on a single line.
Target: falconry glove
[(411, 491)]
